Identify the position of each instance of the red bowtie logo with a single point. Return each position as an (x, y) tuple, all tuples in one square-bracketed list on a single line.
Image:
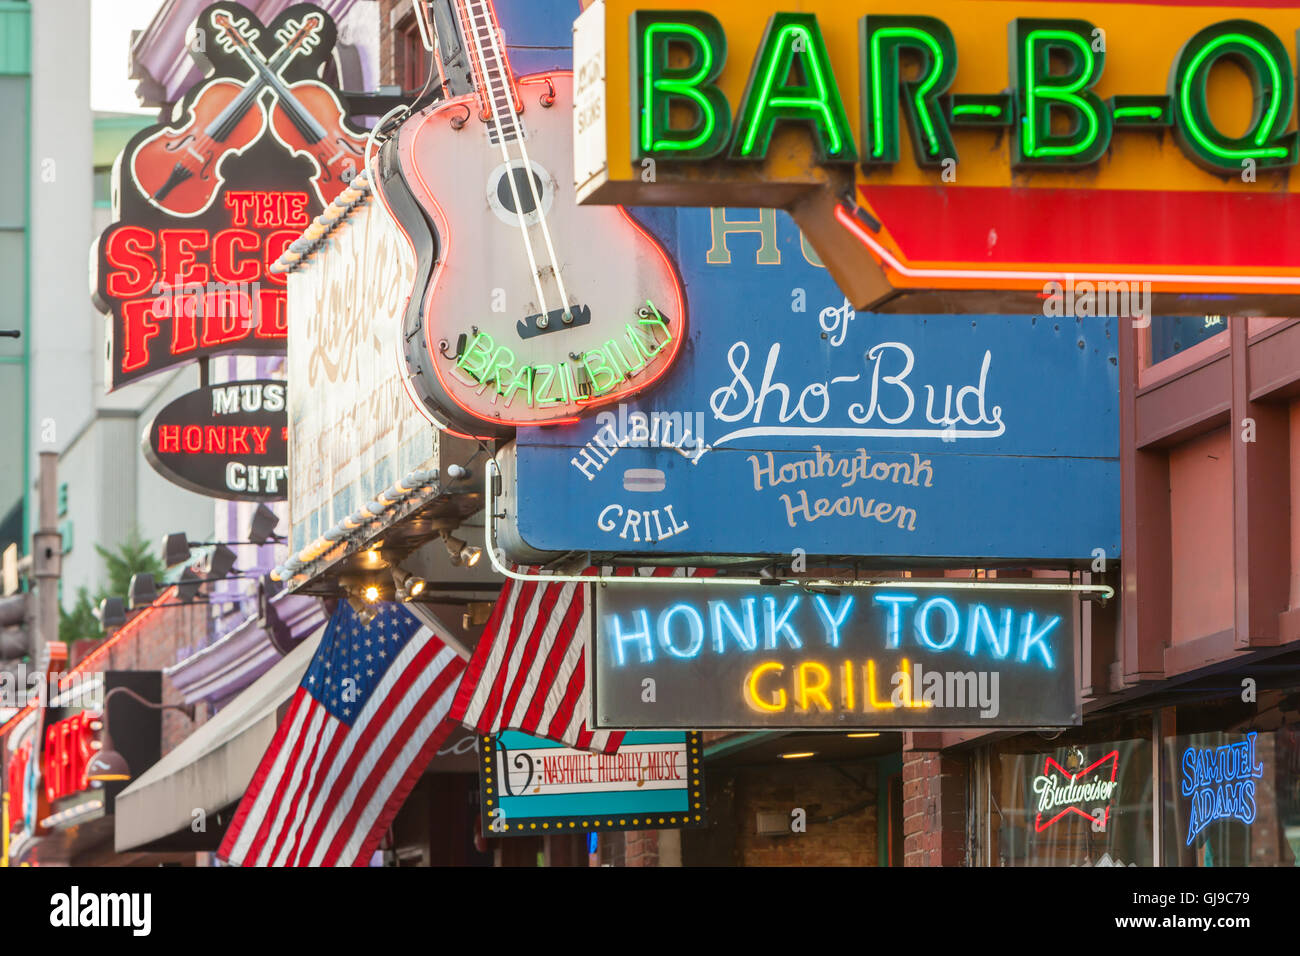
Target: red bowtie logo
[(1084, 792)]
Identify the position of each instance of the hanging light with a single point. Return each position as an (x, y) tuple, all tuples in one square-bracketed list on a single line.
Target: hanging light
[(407, 586)]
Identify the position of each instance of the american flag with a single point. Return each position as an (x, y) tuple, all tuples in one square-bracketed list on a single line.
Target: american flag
[(529, 669), (367, 718)]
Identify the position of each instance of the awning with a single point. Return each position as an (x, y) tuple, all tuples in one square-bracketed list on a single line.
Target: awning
[(211, 768)]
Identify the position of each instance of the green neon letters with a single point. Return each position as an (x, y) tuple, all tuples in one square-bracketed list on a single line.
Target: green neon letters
[(907, 66), (1041, 94), (793, 44), (1261, 54), (882, 42), (659, 86)]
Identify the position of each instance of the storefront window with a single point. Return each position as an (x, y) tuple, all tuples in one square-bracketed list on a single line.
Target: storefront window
[(1173, 334), (1080, 801), (1232, 794)]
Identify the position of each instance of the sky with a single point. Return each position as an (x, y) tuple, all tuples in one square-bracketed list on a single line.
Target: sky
[(111, 23)]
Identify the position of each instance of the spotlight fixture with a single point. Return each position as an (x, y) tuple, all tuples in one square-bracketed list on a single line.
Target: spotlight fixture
[(221, 563), (262, 528), (187, 589), (407, 586), (109, 766), (365, 612), (176, 549), (142, 591), (459, 551), (112, 612)]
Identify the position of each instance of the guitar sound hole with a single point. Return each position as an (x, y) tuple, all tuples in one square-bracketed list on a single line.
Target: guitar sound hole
[(507, 199)]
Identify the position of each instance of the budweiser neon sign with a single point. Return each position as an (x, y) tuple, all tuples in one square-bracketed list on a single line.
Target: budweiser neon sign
[(1087, 791)]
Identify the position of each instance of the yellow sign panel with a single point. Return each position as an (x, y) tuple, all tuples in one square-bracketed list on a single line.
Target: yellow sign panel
[(982, 146)]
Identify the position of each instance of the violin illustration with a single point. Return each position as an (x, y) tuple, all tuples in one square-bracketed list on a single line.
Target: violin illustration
[(305, 117), (178, 170), (528, 308)]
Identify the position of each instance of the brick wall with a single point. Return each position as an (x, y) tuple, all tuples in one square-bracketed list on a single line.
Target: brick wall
[(934, 809), (163, 637), (840, 831), (390, 11)]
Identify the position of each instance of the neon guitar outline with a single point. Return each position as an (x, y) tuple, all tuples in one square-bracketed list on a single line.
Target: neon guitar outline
[(527, 309)]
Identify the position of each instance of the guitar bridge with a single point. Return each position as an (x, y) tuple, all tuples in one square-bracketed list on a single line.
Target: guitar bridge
[(553, 321)]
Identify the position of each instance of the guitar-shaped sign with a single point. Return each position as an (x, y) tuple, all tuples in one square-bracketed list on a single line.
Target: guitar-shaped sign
[(528, 309)]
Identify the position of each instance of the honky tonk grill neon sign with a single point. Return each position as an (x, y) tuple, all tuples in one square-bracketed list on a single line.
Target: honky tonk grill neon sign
[(791, 78)]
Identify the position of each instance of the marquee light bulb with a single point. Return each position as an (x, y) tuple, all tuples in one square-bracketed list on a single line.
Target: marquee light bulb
[(370, 593)]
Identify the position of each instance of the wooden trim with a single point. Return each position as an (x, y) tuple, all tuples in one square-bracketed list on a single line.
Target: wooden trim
[(1191, 655), (1145, 565), (1261, 503)]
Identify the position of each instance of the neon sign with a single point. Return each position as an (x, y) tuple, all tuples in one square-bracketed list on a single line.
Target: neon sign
[(795, 40), (533, 310), (225, 441), (69, 745), (1086, 791), (16, 779), (729, 657), (205, 206), (1220, 784), (1016, 125)]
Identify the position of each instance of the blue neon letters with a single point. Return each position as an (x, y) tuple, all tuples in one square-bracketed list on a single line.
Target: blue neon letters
[(726, 626), (1221, 784)]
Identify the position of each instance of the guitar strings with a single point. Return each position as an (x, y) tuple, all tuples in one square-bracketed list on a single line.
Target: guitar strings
[(514, 189), (528, 174)]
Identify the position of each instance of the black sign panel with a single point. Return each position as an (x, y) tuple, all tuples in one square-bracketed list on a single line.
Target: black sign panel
[(225, 441), (205, 204), (713, 656)]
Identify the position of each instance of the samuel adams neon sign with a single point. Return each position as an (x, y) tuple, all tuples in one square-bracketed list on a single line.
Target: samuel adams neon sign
[(206, 205), (1220, 782)]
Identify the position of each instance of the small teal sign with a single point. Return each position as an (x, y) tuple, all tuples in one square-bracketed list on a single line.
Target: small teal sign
[(529, 786)]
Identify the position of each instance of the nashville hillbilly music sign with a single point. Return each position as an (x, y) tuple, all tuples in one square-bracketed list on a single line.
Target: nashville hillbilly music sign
[(958, 156), (206, 203)]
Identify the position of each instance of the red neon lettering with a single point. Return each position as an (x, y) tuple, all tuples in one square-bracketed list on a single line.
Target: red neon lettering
[(184, 324), (67, 755), (239, 203), (296, 209), (259, 438), (140, 327), (132, 271), (179, 262), (239, 438), (223, 256), (216, 443), (273, 314), (17, 777), (192, 438), (266, 210), (225, 317), (169, 439), (276, 243)]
